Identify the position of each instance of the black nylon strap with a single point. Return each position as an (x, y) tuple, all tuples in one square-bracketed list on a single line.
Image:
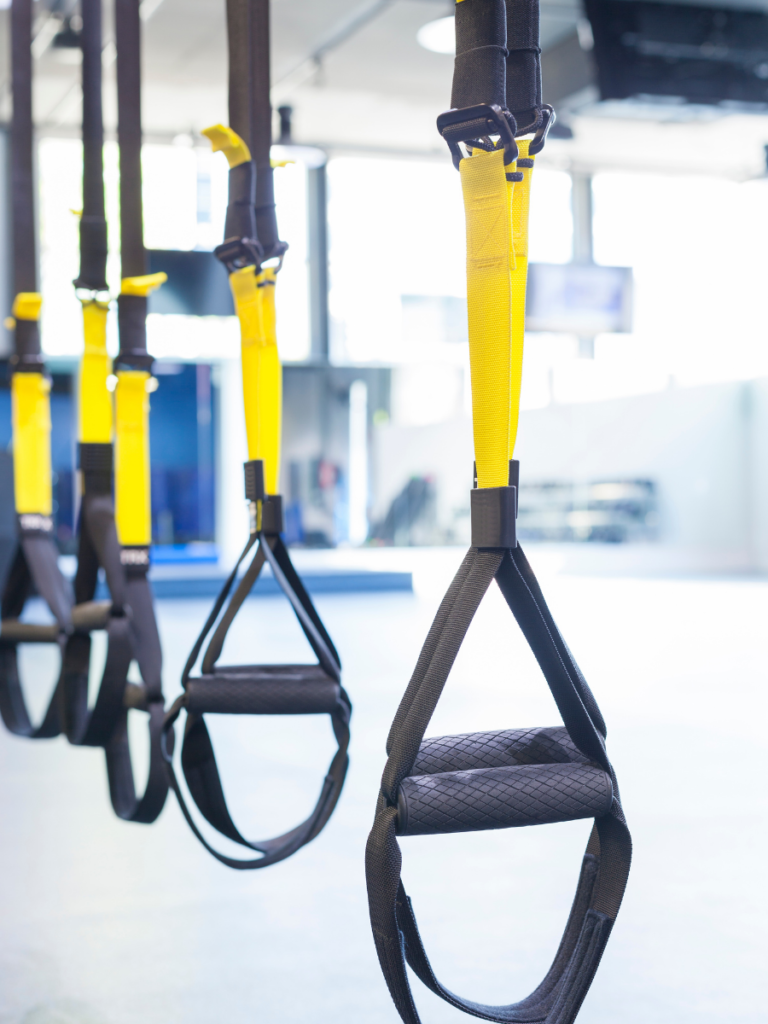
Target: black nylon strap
[(481, 41), (197, 754), (128, 41), (27, 355), (261, 129), (523, 71), (131, 633), (22, 175), (13, 708), (93, 224), (34, 568), (606, 863), (239, 85)]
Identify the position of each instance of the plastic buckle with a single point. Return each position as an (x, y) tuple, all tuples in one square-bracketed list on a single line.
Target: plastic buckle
[(276, 252), (544, 122), (472, 124), (236, 253)]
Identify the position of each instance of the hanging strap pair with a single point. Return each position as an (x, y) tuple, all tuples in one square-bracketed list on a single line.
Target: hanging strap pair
[(512, 777), (116, 535), (34, 568), (128, 618), (252, 254)]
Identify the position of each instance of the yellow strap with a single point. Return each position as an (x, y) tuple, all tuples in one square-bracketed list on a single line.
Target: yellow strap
[(132, 493), (254, 297), (225, 140), (95, 412), (142, 285), (497, 269), (521, 198), (489, 310), (26, 306), (31, 411)]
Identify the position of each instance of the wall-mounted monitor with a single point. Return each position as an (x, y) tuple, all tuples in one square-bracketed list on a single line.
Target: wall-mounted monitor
[(197, 283), (582, 299), (705, 55)]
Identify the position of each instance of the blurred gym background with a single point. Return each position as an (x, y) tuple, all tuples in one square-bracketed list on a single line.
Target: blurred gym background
[(644, 453), (646, 372)]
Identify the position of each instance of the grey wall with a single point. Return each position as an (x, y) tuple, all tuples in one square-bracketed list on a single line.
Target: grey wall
[(706, 448)]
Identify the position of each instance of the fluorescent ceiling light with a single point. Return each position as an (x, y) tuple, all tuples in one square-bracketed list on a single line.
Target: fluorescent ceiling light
[(438, 36)]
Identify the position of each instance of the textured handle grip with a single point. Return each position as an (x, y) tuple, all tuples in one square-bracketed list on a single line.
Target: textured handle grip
[(486, 798), (264, 690), (496, 750)]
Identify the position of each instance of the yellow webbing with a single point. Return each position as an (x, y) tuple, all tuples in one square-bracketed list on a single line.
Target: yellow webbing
[(132, 494), (497, 246), (95, 411), (521, 199), (254, 297), (225, 140), (142, 285), (31, 410), (27, 305)]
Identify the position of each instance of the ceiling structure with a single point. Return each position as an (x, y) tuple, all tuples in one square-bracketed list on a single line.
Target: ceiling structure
[(359, 81)]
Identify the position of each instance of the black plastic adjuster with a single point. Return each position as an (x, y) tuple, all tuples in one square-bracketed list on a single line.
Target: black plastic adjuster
[(492, 513), (473, 124), (35, 524), (254, 480), (236, 253), (134, 559), (95, 463), (272, 515)]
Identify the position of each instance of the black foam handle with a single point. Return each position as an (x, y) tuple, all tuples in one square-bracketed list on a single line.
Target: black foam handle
[(479, 73), (508, 797), (264, 690), (505, 747)]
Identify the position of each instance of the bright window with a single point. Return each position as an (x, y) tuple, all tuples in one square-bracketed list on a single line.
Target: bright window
[(185, 197)]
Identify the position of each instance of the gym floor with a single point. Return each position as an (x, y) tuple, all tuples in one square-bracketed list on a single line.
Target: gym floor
[(108, 923)]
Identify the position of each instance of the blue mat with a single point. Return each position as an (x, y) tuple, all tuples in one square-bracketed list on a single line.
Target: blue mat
[(340, 581)]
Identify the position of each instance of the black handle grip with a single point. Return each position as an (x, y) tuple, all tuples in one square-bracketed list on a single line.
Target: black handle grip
[(502, 798), (264, 690), (495, 750)]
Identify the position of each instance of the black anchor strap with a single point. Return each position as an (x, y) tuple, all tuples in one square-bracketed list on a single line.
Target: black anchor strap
[(606, 862)]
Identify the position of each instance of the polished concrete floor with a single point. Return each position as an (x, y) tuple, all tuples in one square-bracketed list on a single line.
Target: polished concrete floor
[(107, 923)]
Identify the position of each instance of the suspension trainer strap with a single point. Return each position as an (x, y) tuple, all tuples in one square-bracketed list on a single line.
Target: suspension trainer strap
[(132, 512), (252, 254), (35, 565), (98, 545), (508, 778)]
